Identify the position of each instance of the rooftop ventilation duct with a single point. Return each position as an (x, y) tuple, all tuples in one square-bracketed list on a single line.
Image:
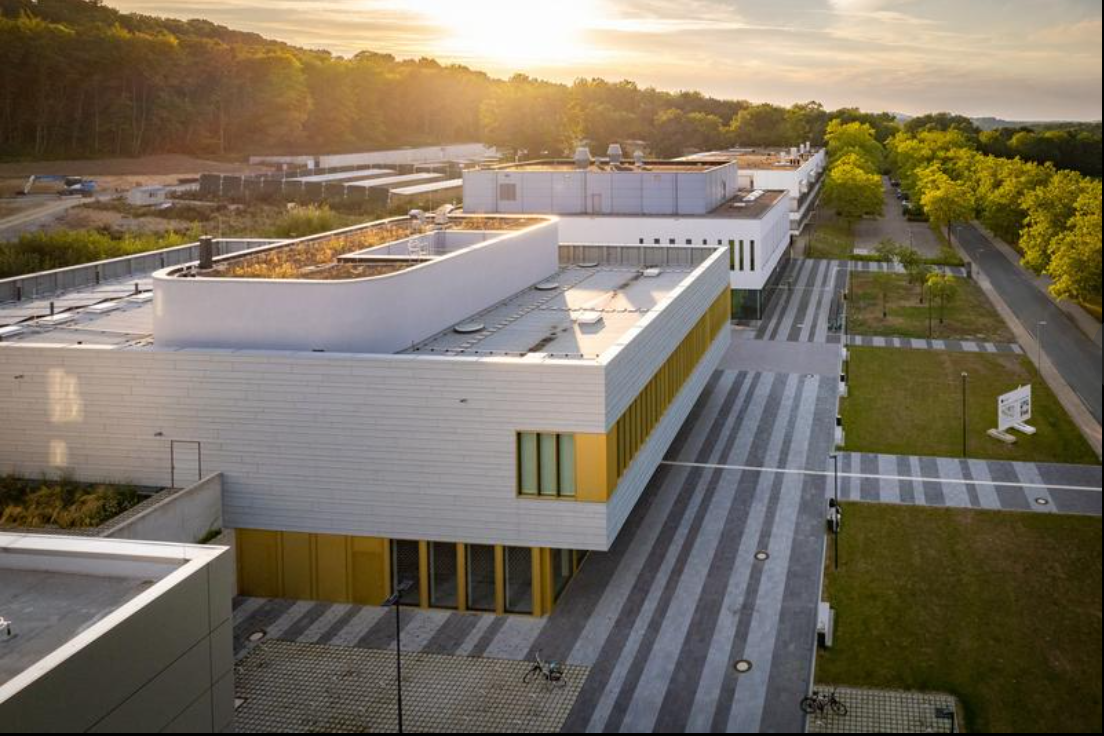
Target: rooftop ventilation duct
[(614, 153), (582, 157), (638, 157), (206, 253), (441, 215)]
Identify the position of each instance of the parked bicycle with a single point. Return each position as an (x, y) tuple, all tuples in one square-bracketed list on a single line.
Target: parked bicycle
[(819, 702), (551, 672)]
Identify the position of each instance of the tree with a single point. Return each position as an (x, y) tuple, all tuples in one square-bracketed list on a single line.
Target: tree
[(1076, 264), (852, 192), (530, 116), (883, 284), (944, 199), (1049, 209), (944, 287), (762, 125), (854, 138)]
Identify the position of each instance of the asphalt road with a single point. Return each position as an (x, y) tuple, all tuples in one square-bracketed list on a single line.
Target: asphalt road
[(1076, 357)]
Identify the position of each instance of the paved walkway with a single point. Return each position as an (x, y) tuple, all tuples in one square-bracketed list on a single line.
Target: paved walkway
[(892, 224), (888, 711), (801, 306), (962, 346), (894, 267), (1076, 357), (982, 484)]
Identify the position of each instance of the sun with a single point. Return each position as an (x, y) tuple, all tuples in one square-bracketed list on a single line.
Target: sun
[(511, 32)]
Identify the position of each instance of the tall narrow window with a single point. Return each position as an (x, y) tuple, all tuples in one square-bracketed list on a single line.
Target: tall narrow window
[(405, 567), (751, 254), (443, 582), (731, 255), (566, 460), (549, 467), (519, 579), (481, 577), (741, 255), (527, 463)]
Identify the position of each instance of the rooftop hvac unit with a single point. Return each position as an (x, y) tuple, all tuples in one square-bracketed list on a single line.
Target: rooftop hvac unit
[(582, 157), (102, 307), (650, 272), (10, 331), (793, 152), (57, 319), (614, 153), (638, 157)]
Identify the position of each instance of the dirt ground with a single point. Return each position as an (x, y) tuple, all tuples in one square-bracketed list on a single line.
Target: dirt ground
[(120, 174)]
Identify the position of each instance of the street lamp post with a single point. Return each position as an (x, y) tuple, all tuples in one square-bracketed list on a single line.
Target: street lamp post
[(395, 600), (964, 413), (835, 509), (929, 313)]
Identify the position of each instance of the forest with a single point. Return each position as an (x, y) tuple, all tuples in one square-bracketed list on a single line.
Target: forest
[(81, 79)]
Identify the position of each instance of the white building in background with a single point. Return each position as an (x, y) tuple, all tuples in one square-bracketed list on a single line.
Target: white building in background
[(114, 636), (685, 203), (799, 170), (465, 402)]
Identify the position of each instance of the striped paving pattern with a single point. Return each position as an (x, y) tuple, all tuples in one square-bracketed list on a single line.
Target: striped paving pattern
[(661, 618), (962, 346), (968, 483), (800, 306), (898, 268)]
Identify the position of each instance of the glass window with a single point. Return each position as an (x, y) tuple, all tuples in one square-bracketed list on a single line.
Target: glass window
[(443, 585), (741, 255), (527, 463), (566, 461), (731, 255), (481, 577), (548, 467), (751, 254), (519, 579), (405, 566), (563, 568)]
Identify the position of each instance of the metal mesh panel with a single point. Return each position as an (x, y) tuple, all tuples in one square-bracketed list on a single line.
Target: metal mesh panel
[(519, 580), (443, 585), (404, 566)]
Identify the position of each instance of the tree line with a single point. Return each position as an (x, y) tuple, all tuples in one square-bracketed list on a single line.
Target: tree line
[(1051, 215), (81, 79)]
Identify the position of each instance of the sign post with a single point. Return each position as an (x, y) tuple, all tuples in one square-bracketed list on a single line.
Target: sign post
[(1014, 407)]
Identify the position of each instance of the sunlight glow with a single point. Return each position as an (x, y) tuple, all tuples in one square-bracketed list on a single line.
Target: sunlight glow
[(523, 34)]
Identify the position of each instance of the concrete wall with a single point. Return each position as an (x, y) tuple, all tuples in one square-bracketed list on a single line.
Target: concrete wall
[(411, 155), (770, 233), (379, 314), (185, 516), (163, 661)]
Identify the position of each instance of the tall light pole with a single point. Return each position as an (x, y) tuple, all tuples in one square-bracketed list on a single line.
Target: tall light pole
[(395, 601), (964, 413), (835, 509)]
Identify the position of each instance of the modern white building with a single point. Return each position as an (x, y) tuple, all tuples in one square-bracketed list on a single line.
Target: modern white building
[(465, 402), (799, 170), (688, 203), (114, 635)]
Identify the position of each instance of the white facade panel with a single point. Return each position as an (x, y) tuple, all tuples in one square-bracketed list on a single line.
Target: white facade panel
[(291, 314), (659, 193)]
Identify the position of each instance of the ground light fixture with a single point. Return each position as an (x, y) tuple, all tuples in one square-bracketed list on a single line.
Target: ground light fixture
[(395, 600)]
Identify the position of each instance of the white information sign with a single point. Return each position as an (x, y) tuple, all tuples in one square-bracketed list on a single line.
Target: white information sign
[(1014, 407)]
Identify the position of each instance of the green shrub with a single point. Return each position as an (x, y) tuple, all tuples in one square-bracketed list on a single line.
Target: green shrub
[(62, 503), (47, 250)]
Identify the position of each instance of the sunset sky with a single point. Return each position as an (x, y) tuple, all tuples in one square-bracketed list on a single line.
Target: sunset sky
[(1015, 59)]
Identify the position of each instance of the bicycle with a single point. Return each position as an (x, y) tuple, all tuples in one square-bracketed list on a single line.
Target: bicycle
[(819, 702), (551, 672)]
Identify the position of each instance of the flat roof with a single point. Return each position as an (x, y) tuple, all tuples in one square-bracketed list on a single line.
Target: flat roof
[(747, 205), (433, 186), (53, 589), (626, 166), (343, 175), (387, 181), (758, 159), (557, 318)]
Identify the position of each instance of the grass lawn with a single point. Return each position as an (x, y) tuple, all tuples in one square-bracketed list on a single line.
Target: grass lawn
[(831, 239), (969, 316), (1000, 608), (909, 402)]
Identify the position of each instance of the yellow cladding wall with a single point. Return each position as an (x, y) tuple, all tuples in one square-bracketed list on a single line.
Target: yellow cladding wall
[(601, 459), (325, 567), (345, 569)]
